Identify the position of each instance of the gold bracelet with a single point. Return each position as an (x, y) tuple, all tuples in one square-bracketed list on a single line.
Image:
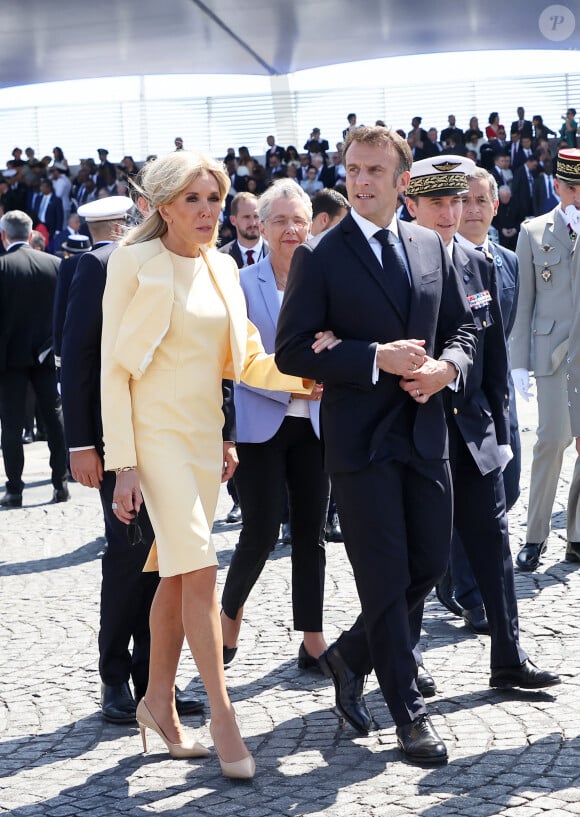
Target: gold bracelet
[(125, 468)]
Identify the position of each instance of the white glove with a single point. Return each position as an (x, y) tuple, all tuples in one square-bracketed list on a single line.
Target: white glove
[(573, 216), (521, 378), (505, 455)]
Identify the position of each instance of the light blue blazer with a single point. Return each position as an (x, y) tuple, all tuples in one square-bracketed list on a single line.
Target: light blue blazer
[(259, 412)]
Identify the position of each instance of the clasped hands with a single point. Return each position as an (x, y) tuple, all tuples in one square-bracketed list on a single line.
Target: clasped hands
[(421, 375)]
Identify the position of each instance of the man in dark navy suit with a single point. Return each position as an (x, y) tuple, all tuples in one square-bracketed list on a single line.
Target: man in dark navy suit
[(49, 210), (479, 430), (389, 293), (126, 592), (27, 285)]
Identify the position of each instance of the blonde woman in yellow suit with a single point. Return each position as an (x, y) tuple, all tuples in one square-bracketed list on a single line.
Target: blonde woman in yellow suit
[(174, 325)]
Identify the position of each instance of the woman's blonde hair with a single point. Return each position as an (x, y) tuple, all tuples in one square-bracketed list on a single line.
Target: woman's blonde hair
[(162, 180)]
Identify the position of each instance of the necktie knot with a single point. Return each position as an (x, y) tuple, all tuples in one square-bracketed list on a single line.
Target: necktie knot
[(249, 257)]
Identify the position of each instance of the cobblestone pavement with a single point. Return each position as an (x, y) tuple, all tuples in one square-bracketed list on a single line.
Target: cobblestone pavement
[(515, 754)]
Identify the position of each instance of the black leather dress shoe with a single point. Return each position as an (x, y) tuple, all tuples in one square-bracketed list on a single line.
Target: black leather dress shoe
[(117, 703), (349, 690), (526, 676), (425, 682), (286, 534), (476, 620), (235, 515), (445, 592), (11, 500), (307, 661), (529, 556), (61, 494), (573, 552), (28, 437), (185, 704), (420, 742), (333, 531)]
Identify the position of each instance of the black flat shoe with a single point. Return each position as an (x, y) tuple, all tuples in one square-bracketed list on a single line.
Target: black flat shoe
[(425, 682), (11, 500), (476, 620), (573, 552), (526, 676), (333, 531), (348, 687), (185, 704), (235, 515), (445, 592), (117, 703), (420, 742), (529, 556), (229, 655), (61, 495), (307, 661)]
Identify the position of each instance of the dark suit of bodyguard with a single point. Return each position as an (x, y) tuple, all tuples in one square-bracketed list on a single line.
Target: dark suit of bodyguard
[(27, 285), (385, 443)]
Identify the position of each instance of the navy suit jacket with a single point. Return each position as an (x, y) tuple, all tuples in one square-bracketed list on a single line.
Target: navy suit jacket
[(340, 285), (53, 216), (81, 351), (481, 409), (27, 285)]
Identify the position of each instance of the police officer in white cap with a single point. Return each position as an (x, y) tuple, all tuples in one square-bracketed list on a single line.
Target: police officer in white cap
[(126, 592), (478, 425)]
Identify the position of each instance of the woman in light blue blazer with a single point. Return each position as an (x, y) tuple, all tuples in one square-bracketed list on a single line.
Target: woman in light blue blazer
[(278, 447)]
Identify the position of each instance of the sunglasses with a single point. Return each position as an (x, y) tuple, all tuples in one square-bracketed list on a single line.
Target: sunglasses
[(134, 532)]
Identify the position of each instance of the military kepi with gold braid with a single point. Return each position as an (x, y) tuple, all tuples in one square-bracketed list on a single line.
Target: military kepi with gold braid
[(443, 175), (568, 165)]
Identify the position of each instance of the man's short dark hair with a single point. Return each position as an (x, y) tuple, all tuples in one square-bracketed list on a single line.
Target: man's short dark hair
[(328, 201), (380, 136)]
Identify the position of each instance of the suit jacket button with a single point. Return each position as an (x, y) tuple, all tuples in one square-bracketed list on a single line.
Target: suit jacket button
[(484, 323), (455, 411)]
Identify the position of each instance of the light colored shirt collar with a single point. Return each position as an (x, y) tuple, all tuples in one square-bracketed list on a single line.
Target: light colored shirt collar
[(465, 242), (369, 229), (256, 249), (16, 244)]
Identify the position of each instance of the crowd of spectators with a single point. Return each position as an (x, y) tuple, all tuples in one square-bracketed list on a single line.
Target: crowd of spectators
[(521, 157)]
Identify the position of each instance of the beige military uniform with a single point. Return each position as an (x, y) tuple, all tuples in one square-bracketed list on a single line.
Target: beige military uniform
[(539, 343)]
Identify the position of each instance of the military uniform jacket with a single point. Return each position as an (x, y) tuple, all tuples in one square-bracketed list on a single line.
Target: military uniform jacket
[(481, 409), (539, 340)]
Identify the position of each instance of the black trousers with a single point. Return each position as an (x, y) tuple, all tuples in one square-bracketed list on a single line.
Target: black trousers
[(13, 390), (289, 464), (126, 596), (480, 520), (396, 521)]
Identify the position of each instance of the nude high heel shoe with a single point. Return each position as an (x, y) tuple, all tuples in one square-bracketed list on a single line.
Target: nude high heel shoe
[(243, 769), (177, 750)]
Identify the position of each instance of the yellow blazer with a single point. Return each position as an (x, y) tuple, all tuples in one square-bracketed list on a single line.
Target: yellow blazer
[(137, 305)]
